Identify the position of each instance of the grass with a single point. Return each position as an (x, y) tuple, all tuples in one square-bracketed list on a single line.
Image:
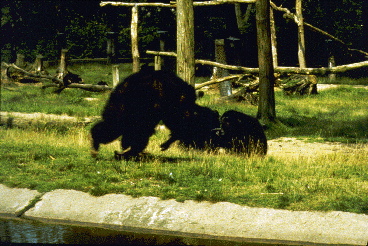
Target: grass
[(57, 157)]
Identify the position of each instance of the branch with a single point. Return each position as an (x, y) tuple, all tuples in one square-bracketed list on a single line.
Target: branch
[(290, 15), (322, 70), (219, 80), (315, 71), (205, 62), (173, 4)]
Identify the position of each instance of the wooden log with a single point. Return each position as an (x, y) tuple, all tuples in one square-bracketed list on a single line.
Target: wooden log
[(173, 4), (87, 87), (22, 71), (315, 71), (219, 80), (57, 81), (25, 120), (248, 94), (300, 85)]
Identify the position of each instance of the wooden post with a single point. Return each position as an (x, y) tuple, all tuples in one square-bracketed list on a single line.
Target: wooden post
[(220, 56), (115, 75), (159, 60), (20, 60), (63, 64), (331, 64), (185, 65), (60, 40), (266, 107), (38, 63), (158, 63), (134, 37), (273, 39), (63, 60), (301, 42), (111, 58)]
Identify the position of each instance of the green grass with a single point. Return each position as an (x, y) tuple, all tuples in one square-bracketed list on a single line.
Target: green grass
[(343, 81), (57, 156)]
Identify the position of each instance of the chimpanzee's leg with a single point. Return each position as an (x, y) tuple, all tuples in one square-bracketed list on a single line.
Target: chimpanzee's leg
[(136, 137)]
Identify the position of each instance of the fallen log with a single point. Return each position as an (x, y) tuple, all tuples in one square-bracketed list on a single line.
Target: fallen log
[(43, 76), (59, 83), (25, 120), (300, 85), (247, 94), (87, 87)]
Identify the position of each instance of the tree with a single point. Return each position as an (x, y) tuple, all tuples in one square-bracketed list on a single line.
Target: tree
[(185, 41), (266, 107)]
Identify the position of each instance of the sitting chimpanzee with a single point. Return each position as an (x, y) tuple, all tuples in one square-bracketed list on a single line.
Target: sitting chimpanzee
[(137, 105), (68, 79), (242, 133)]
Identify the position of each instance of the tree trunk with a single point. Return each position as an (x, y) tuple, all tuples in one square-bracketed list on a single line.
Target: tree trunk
[(241, 19), (266, 106), (301, 42), (134, 36), (185, 65), (273, 39)]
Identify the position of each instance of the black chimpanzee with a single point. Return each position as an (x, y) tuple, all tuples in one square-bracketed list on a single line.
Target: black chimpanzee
[(242, 133), (140, 102)]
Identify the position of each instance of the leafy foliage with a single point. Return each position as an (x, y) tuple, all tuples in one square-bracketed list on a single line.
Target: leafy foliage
[(31, 27)]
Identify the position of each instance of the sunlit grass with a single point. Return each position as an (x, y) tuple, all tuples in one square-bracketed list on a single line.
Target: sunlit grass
[(54, 156), (47, 160)]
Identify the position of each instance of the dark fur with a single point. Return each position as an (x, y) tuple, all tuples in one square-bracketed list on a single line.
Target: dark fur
[(137, 105), (194, 129), (242, 133)]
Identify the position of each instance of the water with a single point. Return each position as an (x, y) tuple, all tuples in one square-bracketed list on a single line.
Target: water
[(25, 231)]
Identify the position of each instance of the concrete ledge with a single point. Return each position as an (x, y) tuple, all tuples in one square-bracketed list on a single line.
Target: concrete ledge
[(196, 220), (13, 202)]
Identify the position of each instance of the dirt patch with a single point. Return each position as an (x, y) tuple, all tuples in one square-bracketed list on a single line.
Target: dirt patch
[(295, 147), (283, 146)]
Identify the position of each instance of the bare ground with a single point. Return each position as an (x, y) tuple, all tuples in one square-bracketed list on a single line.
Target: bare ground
[(294, 147)]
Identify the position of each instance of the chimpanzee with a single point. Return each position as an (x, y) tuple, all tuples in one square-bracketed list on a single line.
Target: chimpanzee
[(242, 133), (67, 80), (196, 128), (137, 105)]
